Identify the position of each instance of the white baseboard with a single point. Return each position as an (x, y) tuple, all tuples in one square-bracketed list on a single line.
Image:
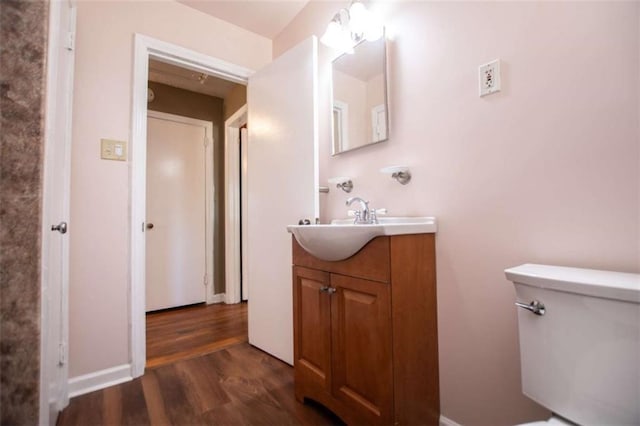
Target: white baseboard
[(444, 421), (99, 380), (217, 298)]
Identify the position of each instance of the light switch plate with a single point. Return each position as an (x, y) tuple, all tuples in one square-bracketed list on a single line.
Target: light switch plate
[(489, 77), (113, 150)]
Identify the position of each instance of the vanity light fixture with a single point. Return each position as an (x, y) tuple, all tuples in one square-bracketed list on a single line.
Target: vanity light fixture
[(351, 26), (342, 182), (399, 173)]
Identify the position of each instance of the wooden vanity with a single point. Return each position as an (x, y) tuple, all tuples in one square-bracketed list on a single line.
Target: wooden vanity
[(366, 334)]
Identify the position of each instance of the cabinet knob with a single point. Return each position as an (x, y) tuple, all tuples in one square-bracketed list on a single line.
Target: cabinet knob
[(327, 289)]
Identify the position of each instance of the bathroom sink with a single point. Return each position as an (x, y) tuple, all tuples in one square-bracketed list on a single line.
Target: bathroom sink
[(342, 238)]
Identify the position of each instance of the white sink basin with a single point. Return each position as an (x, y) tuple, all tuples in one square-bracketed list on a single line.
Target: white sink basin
[(343, 239)]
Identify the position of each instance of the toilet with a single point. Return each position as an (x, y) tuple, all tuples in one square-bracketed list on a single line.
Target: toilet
[(579, 343)]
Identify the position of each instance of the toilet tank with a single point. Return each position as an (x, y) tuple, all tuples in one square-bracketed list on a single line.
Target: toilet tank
[(581, 359)]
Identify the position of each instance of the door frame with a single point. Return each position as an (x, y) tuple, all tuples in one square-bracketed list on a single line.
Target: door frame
[(235, 204), (244, 218), (146, 47), (209, 191)]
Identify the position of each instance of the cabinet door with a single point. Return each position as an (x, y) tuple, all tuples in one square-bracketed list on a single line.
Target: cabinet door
[(361, 348), (312, 328)]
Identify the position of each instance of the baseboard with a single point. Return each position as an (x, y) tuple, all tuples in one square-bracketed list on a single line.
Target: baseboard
[(99, 380), (444, 421), (217, 298)]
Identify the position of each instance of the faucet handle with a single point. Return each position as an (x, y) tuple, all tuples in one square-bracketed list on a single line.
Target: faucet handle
[(356, 215), (374, 214), (351, 213)]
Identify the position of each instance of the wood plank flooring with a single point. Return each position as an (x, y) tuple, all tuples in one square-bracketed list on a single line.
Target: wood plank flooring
[(200, 371), (182, 333), (238, 385)]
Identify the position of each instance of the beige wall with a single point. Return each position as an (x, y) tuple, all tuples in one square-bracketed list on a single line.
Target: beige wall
[(195, 105), (99, 224), (375, 91), (545, 171), (236, 98)]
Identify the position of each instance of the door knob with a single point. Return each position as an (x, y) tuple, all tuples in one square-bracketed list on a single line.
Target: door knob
[(149, 225), (61, 227)]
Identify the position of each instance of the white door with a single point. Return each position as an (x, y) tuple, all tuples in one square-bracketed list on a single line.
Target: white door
[(54, 395), (282, 188), (176, 225)]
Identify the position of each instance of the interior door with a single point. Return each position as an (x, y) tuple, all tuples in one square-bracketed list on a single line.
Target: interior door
[(282, 188), (54, 395), (176, 215)]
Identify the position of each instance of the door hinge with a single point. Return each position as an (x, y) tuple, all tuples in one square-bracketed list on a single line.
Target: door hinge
[(70, 43), (207, 141), (206, 279), (62, 355)]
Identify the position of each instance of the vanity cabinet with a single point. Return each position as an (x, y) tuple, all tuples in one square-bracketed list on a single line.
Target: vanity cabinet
[(365, 331)]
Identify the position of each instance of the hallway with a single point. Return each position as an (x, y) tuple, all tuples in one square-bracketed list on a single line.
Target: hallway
[(176, 334)]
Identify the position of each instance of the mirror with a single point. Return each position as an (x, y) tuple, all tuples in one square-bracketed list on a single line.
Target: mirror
[(360, 97)]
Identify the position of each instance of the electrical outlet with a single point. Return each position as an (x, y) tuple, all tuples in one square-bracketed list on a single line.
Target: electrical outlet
[(489, 77)]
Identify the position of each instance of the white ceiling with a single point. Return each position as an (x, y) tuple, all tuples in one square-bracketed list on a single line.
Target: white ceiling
[(265, 17)]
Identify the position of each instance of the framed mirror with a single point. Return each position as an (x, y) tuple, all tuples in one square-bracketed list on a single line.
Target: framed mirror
[(359, 80)]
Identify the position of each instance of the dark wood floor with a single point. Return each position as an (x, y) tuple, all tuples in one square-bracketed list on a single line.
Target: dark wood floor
[(183, 333), (239, 385), (203, 372)]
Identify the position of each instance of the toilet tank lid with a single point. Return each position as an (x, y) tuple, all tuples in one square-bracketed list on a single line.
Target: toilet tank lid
[(592, 282)]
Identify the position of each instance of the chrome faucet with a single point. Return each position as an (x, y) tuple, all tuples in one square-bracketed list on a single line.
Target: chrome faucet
[(363, 215)]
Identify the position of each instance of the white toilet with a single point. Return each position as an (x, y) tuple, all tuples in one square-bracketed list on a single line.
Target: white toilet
[(580, 343)]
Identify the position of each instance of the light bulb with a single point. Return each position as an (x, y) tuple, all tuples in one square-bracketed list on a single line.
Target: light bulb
[(358, 18), (332, 36), (374, 29)]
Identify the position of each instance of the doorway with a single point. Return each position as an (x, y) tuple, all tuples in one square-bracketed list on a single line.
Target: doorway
[(282, 127), (235, 183), (203, 68), (185, 205)]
